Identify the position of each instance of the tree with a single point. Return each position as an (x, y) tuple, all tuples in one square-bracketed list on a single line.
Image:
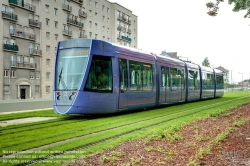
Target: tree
[(238, 5), (206, 62)]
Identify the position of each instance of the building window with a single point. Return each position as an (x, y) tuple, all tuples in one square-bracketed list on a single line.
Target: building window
[(90, 24), (90, 34), (4, 8), (90, 2), (47, 8), (13, 74), (55, 11), (47, 62), (103, 18), (95, 4), (108, 39), (19, 59), (90, 12), (107, 10), (108, 30), (96, 26), (32, 75), (47, 75), (37, 75), (96, 36), (47, 89), (47, 21), (6, 73), (26, 59), (103, 38), (56, 36), (47, 35), (37, 89), (95, 15), (47, 49), (108, 20), (56, 24), (103, 28), (103, 8)]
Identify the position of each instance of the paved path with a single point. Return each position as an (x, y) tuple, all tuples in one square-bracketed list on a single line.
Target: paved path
[(24, 104)]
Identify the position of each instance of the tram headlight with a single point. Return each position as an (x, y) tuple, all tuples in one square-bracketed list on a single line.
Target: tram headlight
[(58, 96), (72, 96)]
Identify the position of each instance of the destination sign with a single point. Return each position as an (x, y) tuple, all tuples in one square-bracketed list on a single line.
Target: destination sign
[(77, 52)]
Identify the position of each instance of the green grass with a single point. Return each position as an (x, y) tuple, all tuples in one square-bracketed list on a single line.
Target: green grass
[(27, 136), (45, 113)]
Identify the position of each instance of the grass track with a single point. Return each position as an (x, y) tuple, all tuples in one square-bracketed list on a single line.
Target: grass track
[(26, 136)]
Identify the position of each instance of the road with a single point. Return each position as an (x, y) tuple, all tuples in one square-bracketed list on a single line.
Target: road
[(24, 105)]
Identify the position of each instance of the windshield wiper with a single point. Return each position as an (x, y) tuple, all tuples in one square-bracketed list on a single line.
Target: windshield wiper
[(60, 76)]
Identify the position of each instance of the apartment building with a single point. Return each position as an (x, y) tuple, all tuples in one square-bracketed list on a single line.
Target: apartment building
[(30, 29)]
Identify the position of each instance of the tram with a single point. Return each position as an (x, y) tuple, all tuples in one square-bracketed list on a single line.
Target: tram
[(98, 77)]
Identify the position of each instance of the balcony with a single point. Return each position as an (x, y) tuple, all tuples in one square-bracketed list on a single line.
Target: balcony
[(74, 22), (126, 38), (129, 31), (119, 36), (34, 51), (120, 27), (9, 16), (82, 36), (23, 5), (124, 19), (67, 32), (35, 23), (21, 34), (66, 7), (23, 65), (78, 1), (10, 47), (82, 14)]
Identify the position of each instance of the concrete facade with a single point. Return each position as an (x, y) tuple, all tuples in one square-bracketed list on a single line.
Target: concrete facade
[(30, 30)]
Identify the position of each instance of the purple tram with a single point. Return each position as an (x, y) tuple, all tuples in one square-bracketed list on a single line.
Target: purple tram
[(98, 77)]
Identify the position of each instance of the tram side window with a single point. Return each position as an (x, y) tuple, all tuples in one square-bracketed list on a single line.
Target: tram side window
[(135, 76), (181, 79), (219, 82), (174, 79), (197, 80), (210, 81), (204, 80), (100, 75), (165, 80), (191, 78), (147, 74), (123, 75)]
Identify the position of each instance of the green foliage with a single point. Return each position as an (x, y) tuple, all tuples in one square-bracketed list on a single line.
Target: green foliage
[(206, 62), (238, 124), (238, 6), (202, 151)]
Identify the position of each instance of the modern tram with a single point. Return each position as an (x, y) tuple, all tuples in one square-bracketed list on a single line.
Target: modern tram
[(98, 77)]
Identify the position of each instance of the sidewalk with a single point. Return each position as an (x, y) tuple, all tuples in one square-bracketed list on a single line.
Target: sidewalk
[(10, 106)]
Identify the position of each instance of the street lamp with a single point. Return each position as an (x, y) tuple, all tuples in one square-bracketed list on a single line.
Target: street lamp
[(242, 79), (231, 76)]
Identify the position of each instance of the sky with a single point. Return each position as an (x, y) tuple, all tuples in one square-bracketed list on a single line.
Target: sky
[(184, 27)]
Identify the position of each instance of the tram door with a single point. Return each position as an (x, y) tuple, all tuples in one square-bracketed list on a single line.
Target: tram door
[(165, 85), (177, 90), (123, 83)]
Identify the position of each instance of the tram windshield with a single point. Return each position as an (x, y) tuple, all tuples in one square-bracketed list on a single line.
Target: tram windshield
[(70, 68)]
